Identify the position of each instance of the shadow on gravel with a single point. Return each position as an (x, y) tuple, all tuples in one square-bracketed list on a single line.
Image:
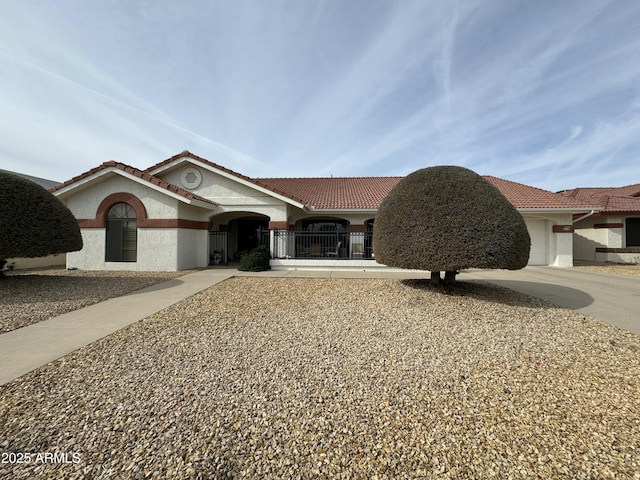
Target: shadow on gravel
[(514, 293)]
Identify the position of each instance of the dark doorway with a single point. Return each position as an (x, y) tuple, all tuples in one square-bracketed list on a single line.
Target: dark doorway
[(633, 232), (251, 233)]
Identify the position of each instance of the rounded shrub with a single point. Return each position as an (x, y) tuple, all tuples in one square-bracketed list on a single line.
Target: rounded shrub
[(34, 223), (256, 260), (448, 218)]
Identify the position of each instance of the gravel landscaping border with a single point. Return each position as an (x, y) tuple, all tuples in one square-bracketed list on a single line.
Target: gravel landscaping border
[(606, 267), (336, 378), (30, 296)]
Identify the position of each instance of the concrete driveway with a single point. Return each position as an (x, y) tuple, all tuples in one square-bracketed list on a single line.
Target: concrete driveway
[(613, 299)]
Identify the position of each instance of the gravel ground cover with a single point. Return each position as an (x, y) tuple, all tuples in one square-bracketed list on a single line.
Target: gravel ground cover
[(32, 296), (309, 378), (615, 268)]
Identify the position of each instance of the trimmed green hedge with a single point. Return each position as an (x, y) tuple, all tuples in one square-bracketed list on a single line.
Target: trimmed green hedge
[(34, 223), (449, 218), (257, 260)]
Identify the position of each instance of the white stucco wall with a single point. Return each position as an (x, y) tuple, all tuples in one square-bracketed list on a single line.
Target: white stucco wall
[(563, 254), (551, 248), (220, 189), (85, 203), (159, 249), (38, 262), (192, 249), (587, 238)]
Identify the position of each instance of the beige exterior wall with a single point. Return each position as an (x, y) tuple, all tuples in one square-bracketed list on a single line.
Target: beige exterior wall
[(85, 203), (548, 247), (159, 249), (220, 189), (587, 238), (39, 262)]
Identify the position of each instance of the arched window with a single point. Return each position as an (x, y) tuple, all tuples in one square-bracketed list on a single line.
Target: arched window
[(122, 234)]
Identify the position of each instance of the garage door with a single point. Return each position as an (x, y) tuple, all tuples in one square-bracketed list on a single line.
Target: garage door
[(538, 234)]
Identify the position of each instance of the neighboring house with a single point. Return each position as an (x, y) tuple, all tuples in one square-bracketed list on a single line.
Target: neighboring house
[(611, 234), (39, 262), (188, 212), (43, 182)]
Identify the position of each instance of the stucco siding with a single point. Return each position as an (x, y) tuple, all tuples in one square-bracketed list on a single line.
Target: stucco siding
[(38, 262), (91, 257), (547, 246), (192, 249), (591, 233), (189, 212), (85, 203), (220, 189), (157, 251)]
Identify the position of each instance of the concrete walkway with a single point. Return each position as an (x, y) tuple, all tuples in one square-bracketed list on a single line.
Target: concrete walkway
[(28, 348), (613, 299)]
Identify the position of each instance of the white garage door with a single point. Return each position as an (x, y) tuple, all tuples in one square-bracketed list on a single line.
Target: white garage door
[(538, 234)]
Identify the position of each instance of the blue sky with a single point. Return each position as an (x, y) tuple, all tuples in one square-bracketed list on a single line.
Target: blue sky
[(541, 92)]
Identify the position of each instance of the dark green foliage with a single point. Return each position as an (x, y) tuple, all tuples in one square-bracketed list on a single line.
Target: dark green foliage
[(449, 218), (257, 260), (34, 223)]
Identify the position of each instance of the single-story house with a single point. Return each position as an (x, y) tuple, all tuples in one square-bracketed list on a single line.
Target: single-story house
[(611, 234), (187, 212)]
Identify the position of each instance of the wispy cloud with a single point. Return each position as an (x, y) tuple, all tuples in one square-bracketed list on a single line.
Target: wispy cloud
[(539, 92)]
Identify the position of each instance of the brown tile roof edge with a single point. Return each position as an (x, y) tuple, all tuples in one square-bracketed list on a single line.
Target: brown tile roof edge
[(188, 154), (612, 200), (368, 192), (624, 191), (528, 197), (336, 193), (143, 175)]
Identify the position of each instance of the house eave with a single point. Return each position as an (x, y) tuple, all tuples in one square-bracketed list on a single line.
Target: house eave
[(557, 210), (341, 211)]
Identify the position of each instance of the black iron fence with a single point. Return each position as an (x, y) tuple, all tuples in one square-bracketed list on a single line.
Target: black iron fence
[(323, 245), (299, 245), (218, 248)]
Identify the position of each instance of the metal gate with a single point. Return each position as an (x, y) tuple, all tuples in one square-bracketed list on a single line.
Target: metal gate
[(218, 248)]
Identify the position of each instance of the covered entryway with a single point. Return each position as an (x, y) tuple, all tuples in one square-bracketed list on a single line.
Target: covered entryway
[(236, 233)]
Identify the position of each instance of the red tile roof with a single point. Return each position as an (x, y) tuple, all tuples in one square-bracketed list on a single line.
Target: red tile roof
[(526, 197), (143, 175), (336, 193), (612, 200), (368, 192)]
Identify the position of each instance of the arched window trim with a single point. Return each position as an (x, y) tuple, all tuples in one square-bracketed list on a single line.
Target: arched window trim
[(121, 197)]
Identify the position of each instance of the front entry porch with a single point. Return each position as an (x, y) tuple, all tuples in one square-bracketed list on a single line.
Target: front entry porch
[(319, 242)]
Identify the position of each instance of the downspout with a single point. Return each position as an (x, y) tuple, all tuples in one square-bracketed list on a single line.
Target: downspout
[(586, 215)]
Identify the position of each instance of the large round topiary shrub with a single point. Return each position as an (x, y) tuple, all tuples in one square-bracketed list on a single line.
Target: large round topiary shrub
[(449, 218), (33, 223)]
